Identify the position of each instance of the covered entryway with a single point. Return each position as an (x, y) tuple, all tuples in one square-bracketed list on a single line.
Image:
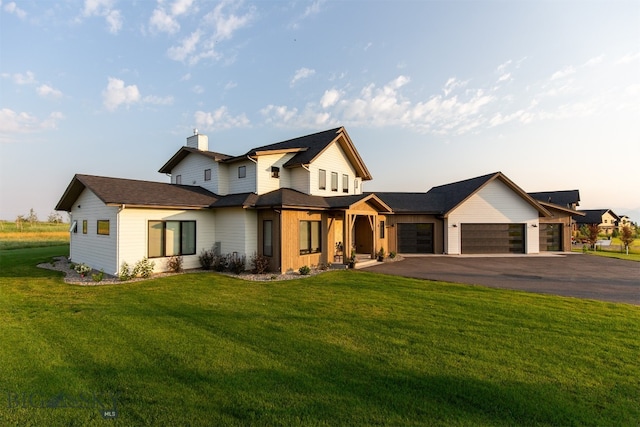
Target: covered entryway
[(550, 237), (492, 238), (415, 238)]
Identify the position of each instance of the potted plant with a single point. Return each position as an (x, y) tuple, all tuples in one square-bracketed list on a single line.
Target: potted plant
[(381, 255), (352, 259)]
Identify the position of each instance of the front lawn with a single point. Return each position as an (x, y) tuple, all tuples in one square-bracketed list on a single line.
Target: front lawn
[(340, 348)]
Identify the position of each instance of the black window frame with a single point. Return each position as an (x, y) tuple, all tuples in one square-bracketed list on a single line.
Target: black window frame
[(207, 174), (242, 171), (334, 181), (310, 226), (322, 179), (267, 225), (163, 238), (345, 183)]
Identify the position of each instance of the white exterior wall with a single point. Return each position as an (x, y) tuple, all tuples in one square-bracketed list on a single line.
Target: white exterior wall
[(192, 168), (265, 182), (97, 251), (333, 159), (242, 185), (300, 180), (237, 231), (496, 203), (134, 229)]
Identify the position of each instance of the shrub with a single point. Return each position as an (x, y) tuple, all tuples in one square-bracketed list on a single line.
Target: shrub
[(125, 272), (392, 254), (175, 264), (82, 269), (206, 259), (304, 270), (143, 268), (220, 263), (98, 276), (237, 263), (259, 264)]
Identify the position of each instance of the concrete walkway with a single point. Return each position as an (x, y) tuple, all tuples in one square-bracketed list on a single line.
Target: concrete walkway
[(570, 274)]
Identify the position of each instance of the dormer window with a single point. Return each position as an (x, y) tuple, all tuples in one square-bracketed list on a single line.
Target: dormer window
[(275, 172), (242, 172)]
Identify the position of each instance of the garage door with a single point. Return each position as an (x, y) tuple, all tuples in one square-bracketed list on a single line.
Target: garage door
[(415, 238), (492, 238), (550, 237)]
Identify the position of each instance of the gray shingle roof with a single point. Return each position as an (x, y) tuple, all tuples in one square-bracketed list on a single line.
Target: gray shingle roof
[(566, 198), (592, 216), (118, 191)]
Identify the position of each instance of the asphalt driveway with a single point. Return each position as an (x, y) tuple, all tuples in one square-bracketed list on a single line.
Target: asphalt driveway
[(573, 275)]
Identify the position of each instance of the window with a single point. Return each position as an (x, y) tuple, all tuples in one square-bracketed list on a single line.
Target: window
[(322, 179), (168, 238), (382, 229), (355, 184), (103, 227), (267, 238), (74, 227), (84, 226), (334, 181), (275, 172), (178, 179), (207, 174), (345, 183), (242, 172), (310, 241)]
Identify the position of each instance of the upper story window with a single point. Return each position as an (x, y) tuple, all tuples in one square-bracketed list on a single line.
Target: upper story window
[(242, 171), (178, 179), (322, 179), (345, 183), (334, 181), (207, 174), (275, 172)]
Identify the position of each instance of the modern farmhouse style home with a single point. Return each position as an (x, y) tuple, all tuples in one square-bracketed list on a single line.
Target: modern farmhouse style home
[(298, 202)]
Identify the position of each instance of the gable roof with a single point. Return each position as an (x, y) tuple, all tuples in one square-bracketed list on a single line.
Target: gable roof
[(407, 203), (450, 196), (565, 198), (136, 193), (185, 151), (593, 216)]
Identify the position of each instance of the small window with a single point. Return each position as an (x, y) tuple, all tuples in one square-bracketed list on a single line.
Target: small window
[(267, 238), (207, 174), (178, 179), (275, 172), (334, 181), (382, 229), (84, 226), (74, 227), (322, 179), (345, 183), (242, 172), (103, 227)]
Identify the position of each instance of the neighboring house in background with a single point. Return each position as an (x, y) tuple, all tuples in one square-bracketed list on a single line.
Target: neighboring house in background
[(606, 219), (297, 202)]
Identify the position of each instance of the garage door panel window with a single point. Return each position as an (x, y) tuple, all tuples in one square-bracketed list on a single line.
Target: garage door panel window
[(415, 238), (492, 238), (550, 237)]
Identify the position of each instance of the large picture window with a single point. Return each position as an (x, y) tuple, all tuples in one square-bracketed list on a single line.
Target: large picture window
[(310, 241), (267, 238), (169, 238)]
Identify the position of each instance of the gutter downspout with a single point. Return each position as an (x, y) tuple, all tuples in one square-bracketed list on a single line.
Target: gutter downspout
[(122, 207)]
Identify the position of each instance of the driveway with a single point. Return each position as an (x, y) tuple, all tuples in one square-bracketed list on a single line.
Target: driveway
[(573, 275)]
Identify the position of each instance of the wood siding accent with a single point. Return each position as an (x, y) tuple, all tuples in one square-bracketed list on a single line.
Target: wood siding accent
[(97, 251), (494, 203), (289, 237)]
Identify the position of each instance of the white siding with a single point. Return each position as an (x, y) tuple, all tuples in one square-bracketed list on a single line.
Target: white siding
[(192, 168), (300, 180), (97, 251), (134, 234), (265, 182), (333, 159), (242, 185), (237, 230), (495, 203)]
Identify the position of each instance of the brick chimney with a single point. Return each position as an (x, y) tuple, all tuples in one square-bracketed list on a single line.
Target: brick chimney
[(201, 142)]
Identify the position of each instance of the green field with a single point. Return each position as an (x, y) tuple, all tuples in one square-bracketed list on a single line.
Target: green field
[(32, 235), (340, 348)]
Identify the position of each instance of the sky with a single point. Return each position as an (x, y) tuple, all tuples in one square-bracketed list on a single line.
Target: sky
[(430, 92)]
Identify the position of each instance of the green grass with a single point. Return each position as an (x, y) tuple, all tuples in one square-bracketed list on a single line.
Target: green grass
[(32, 235), (341, 348)]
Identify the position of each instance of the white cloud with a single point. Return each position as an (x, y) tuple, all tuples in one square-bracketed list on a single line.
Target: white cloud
[(13, 8), (117, 94), (594, 61), (12, 122), (566, 71), (227, 23), (162, 22), (628, 58), (186, 48), (219, 119), (47, 91), (230, 85), (24, 79), (300, 74), (197, 89), (330, 98), (105, 9), (180, 7), (158, 100), (453, 84)]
